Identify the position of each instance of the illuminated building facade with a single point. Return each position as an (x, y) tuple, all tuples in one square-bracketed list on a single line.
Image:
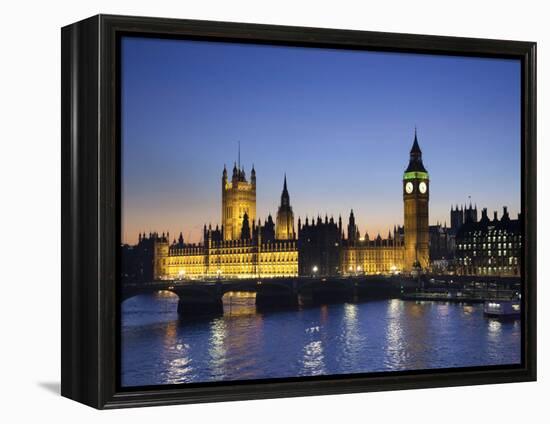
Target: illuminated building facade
[(285, 217), (361, 255), (249, 249), (231, 259), (489, 247), (243, 247), (238, 199)]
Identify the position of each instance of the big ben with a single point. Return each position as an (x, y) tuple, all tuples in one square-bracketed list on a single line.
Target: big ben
[(416, 196)]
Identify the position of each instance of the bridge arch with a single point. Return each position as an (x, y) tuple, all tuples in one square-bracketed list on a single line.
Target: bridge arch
[(126, 295), (196, 301), (325, 290), (270, 294)]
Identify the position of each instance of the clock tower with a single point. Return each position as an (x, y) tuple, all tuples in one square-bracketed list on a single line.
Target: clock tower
[(416, 194)]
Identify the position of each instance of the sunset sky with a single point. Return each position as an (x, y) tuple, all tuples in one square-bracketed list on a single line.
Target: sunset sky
[(339, 123)]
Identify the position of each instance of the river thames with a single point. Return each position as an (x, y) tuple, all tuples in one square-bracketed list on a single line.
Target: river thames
[(384, 335)]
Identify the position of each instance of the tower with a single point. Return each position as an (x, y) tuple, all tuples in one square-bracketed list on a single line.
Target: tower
[(238, 198), (161, 250), (470, 213), (416, 191), (457, 219), (284, 229), (268, 230), (245, 229), (352, 228)]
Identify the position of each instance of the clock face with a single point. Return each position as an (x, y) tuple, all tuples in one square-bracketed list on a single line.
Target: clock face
[(409, 187), (422, 187)]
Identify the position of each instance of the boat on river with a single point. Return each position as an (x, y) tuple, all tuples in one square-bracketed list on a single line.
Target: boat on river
[(502, 308)]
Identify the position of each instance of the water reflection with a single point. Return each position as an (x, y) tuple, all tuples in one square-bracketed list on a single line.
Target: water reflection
[(396, 350), (179, 370), (239, 304), (494, 327), (170, 334), (468, 309), (350, 313), (351, 325), (495, 330), (158, 348), (313, 361), (217, 350)]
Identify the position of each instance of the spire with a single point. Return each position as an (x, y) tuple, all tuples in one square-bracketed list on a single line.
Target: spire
[(253, 175), (285, 198), (352, 228), (415, 147), (245, 229), (235, 172), (415, 161)]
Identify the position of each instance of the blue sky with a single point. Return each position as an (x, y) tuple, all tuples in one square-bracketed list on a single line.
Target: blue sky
[(339, 123)]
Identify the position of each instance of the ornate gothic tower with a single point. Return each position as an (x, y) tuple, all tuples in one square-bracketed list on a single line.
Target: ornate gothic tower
[(416, 193), (457, 219), (238, 198), (284, 229), (470, 213), (353, 232)]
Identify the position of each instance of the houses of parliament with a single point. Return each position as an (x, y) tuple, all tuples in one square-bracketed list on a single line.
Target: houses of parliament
[(244, 246)]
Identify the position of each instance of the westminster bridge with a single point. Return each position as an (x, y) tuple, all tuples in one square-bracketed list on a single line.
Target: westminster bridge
[(204, 297)]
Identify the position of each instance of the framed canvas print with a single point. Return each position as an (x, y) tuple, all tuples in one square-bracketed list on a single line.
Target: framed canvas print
[(254, 211)]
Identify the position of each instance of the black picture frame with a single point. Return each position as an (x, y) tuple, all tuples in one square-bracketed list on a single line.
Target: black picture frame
[(90, 180)]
